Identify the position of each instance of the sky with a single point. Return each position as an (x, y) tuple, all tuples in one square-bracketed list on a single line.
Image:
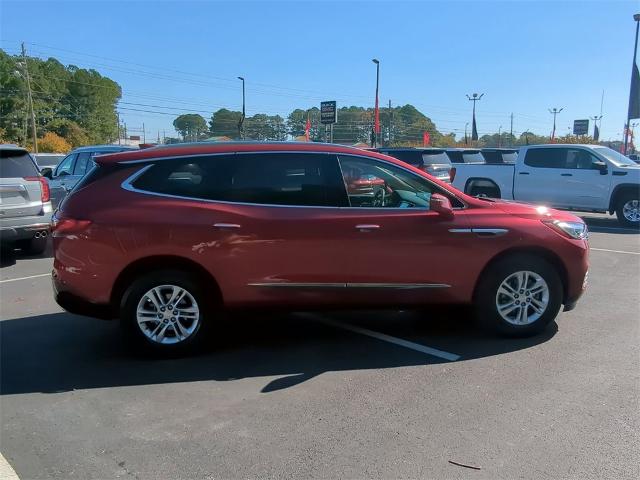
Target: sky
[(173, 57)]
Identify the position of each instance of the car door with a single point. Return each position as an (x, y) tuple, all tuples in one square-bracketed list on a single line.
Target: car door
[(584, 184), (58, 183), (398, 250)]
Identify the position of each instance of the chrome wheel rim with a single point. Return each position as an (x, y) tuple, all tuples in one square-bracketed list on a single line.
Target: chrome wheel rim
[(522, 298), (167, 314), (631, 210)]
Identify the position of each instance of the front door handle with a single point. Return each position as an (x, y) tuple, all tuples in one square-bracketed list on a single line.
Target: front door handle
[(367, 227), (226, 225), (566, 174), (524, 173)]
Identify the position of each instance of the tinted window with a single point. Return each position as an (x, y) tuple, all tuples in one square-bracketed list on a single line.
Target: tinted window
[(276, 179), (435, 157), (14, 164), (492, 157), (81, 163), (66, 165), (412, 157), (567, 158), (472, 157)]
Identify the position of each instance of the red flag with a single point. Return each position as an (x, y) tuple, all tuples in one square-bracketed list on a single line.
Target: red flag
[(376, 126), (425, 139), (307, 129)]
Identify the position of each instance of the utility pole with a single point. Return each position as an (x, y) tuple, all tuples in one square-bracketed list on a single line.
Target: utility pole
[(118, 120), (499, 136), (511, 132), (164, 137), (376, 111), (30, 100), (390, 123), (596, 131), (554, 112), (474, 129), (241, 122)]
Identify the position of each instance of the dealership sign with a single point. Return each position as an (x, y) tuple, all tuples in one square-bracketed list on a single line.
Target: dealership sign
[(580, 127), (328, 112)]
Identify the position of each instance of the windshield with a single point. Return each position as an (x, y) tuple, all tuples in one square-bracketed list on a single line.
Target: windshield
[(615, 157)]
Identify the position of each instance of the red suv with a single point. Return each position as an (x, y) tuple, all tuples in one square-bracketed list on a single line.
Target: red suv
[(167, 237)]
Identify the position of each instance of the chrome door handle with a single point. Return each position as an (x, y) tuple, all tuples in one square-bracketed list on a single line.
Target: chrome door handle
[(566, 174), (524, 173), (367, 227), (226, 225)]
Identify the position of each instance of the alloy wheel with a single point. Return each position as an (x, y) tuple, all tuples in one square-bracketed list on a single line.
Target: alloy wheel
[(522, 298), (631, 210)]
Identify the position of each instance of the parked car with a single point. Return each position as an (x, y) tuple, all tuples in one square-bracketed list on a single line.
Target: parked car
[(167, 237), (499, 155), (431, 160), (25, 206), (465, 155), (73, 167), (573, 177), (635, 157), (48, 160)]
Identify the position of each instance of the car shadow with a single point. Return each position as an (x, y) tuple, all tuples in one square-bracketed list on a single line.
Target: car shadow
[(61, 352), (9, 255), (608, 225)]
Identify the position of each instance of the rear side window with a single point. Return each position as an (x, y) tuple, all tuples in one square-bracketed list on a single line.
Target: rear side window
[(492, 157), (300, 179), (16, 164), (411, 157), (472, 157), (510, 157), (435, 158), (546, 158)]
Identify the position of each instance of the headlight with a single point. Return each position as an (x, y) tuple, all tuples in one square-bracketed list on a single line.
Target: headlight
[(576, 230)]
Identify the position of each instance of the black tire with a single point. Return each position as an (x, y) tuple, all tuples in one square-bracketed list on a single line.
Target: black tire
[(622, 200), (486, 295), (132, 332), (33, 246)]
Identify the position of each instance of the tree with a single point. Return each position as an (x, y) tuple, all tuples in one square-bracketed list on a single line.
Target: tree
[(190, 126), (225, 123), (69, 130), (53, 143)]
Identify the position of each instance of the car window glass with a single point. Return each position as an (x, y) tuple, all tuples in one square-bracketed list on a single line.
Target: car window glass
[(435, 158), (472, 157), (299, 179), (546, 158), (66, 165), (407, 156), (376, 184), (81, 163), (581, 160), (16, 164)]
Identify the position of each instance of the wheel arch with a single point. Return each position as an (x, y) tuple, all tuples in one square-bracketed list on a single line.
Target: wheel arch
[(473, 180), (554, 260), (619, 190), (145, 265)]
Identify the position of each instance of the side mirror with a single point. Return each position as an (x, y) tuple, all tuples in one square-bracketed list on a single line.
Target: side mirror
[(47, 173), (441, 204), (600, 165)]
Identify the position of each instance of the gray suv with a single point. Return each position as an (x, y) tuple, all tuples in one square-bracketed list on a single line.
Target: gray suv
[(25, 206)]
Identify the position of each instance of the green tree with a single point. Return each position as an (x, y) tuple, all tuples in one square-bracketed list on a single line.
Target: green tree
[(225, 123), (69, 130), (190, 126)]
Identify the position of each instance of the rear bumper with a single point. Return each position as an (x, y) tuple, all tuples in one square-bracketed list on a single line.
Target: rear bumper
[(23, 228), (74, 304)]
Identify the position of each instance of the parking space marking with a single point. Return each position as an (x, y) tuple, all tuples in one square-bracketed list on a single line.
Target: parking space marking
[(614, 251), (6, 471), (452, 357), (25, 278)]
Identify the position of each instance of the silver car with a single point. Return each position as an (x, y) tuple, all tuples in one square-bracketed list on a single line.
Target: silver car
[(25, 206)]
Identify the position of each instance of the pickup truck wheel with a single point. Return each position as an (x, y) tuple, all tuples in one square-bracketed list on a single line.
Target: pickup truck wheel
[(165, 313), (519, 296), (628, 210)]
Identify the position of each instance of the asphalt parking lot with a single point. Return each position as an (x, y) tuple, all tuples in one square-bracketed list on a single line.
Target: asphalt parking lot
[(348, 395)]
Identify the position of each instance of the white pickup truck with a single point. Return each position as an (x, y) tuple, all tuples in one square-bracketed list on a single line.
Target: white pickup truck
[(587, 178)]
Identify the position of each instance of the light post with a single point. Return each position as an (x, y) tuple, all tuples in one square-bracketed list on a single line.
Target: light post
[(241, 122), (376, 113), (466, 142), (554, 112), (474, 128), (634, 89), (499, 136)]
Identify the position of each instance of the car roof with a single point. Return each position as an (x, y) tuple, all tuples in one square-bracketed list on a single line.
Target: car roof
[(104, 148), (563, 145), (464, 150), (11, 146), (495, 149), (204, 148)]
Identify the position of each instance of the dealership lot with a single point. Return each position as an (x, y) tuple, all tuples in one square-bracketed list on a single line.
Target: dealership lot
[(394, 394)]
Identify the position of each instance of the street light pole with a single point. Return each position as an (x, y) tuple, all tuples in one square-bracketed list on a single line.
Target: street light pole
[(554, 112), (634, 103), (474, 128), (499, 136), (241, 122), (465, 133), (376, 113)]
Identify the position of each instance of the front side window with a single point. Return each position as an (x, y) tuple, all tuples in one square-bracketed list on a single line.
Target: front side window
[(294, 179), (376, 184), (81, 163), (66, 166), (581, 160)]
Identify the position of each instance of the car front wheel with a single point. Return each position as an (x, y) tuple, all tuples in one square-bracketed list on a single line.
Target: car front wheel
[(628, 210), (165, 313), (519, 296)]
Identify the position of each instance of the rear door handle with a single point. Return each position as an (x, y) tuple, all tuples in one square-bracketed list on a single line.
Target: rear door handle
[(226, 225), (367, 227), (524, 173), (566, 174)]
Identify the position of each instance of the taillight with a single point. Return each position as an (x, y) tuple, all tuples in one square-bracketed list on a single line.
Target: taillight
[(45, 193), (452, 174), (65, 225)]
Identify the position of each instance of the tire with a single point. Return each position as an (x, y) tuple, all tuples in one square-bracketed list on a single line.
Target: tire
[(193, 320), (628, 209), (510, 270), (33, 246)]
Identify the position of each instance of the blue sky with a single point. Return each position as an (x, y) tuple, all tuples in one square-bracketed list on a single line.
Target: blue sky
[(182, 57)]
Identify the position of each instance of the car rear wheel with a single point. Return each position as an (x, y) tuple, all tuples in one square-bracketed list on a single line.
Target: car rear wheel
[(165, 313), (628, 210), (33, 246), (519, 296)]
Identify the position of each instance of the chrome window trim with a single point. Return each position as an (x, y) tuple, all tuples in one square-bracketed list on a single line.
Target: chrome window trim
[(481, 231), (127, 183), (392, 286)]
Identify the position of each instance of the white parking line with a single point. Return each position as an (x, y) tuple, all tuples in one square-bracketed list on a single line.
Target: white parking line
[(25, 278), (452, 357), (595, 228), (614, 251), (6, 471)]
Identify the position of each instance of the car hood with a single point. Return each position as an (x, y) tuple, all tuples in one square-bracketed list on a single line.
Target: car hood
[(526, 210)]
